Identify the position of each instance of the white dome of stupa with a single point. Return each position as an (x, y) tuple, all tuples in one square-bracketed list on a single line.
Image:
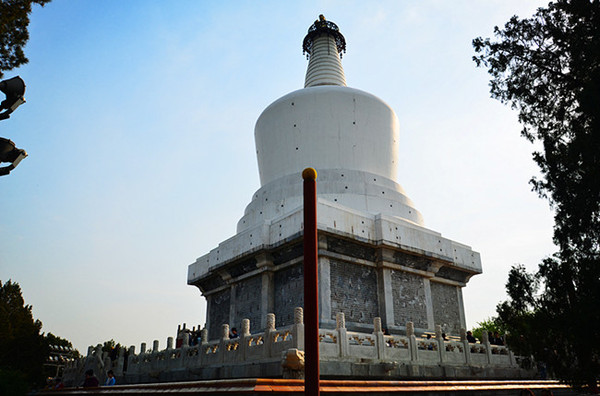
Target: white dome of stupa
[(349, 136)]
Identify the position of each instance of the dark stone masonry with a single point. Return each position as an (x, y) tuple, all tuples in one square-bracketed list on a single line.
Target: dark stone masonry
[(247, 305), (218, 311), (362, 280), (445, 309), (408, 292), (289, 293), (353, 291)]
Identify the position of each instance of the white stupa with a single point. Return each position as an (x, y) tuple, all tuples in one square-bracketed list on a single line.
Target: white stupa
[(384, 278), (376, 258)]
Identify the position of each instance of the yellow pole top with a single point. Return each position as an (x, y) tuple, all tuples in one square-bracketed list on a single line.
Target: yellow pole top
[(309, 173)]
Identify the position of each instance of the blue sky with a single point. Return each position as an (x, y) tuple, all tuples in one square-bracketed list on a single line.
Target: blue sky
[(139, 127)]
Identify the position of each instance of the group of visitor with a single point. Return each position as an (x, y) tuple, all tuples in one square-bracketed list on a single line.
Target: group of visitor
[(91, 381), (495, 338), (470, 337), (195, 336)]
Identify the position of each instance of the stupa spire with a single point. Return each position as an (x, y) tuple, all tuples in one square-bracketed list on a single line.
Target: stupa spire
[(324, 45)]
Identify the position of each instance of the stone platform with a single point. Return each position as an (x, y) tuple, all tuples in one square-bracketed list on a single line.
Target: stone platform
[(344, 354), (369, 266), (268, 386)]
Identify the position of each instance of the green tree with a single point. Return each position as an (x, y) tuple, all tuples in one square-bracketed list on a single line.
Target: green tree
[(14, 34), (61, 349), (111, 347), (51, 339), (487, 325), (23, 349), (547, 67)]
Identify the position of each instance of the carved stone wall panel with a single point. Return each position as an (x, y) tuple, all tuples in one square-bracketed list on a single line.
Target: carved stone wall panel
[(354, 291), (219, 312), (408, 292), (289, 293), (247, 302), (445, 307)]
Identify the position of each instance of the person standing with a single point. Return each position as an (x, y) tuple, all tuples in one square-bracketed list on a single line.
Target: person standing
[(470, 337), (90, 380), (111, 380)]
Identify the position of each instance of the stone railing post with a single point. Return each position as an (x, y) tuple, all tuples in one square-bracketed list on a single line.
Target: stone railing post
[(441, 344), (131, 368), (379, 339), (245, 327), (106, 365), (466, 346), (298, 329), (244, 338), (204, 336), (167, 353), (269, 334), (120, 362), (271, 321), (511, 356), (141, 364), (155, 361), (94, 361), (340, 326), (223, 342), (485, 340), (412, 341), (185, 345)]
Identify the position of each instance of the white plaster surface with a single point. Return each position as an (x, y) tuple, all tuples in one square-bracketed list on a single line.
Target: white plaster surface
[(335, 218), (362, 191), (327, 127), (325, 66)]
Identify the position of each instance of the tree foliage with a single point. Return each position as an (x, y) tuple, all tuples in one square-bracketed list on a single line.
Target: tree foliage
[(547, 67), (51, 339), (487, 325), (14, 33), (112, 348), (23, 349), (68, 353)]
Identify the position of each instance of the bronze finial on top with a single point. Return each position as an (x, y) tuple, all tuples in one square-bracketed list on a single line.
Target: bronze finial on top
[(323, 26)]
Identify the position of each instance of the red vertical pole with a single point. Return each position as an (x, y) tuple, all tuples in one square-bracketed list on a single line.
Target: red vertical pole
[(311, 285)]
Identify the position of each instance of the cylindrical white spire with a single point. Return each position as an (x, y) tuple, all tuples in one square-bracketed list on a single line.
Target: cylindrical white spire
[(325, 66), (324, 45)]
